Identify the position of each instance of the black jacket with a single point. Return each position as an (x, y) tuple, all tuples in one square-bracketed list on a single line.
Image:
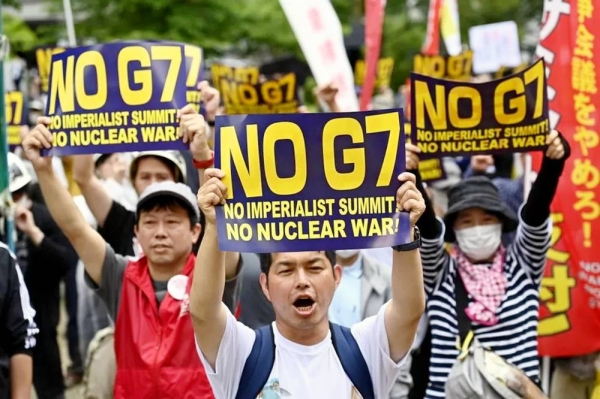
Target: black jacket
[(17, 328)]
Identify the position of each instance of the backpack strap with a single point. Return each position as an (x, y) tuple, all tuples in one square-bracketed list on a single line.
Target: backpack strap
[(352, 359), (259, 364), (465, 331)]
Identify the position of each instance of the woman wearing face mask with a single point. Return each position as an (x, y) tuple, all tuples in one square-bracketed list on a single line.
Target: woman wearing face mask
[(502, 283)]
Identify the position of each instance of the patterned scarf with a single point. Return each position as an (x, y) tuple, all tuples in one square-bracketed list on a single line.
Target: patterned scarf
[(486, 285)]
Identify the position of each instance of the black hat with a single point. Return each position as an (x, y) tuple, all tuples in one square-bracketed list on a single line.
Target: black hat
[(477, 192)]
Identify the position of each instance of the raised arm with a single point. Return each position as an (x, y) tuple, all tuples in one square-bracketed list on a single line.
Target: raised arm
[(88, 244), (209, 314), (408, 293), (97, 198), (193, 129), (433, 250), (534, 233)]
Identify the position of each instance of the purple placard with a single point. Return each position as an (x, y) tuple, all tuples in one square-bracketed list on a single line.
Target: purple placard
[(301, 182), (116, 97)]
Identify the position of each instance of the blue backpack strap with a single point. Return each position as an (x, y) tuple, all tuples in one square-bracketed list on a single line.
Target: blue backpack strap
[(352, 359), (259, 364)]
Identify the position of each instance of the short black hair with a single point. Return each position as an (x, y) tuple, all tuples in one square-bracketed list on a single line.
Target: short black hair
[(267, 258), (166, 202)]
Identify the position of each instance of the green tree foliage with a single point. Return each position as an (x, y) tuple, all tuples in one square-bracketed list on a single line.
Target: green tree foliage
[(260, 28), (20, 36)]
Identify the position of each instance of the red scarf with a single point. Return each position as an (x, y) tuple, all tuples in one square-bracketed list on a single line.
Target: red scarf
[(486, 285)]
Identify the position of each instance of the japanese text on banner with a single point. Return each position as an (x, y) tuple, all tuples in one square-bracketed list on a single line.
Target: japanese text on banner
[(245, 91), (502, 116), (15, 116), (95, 108), (557, 286), (458, 67), (585, 175), (307, 181)]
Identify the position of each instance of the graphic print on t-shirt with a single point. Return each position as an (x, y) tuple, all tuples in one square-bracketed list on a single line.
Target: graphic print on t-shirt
[(272, 390)]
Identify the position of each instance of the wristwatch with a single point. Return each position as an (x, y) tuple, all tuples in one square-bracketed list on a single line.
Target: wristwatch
[(411, 245)]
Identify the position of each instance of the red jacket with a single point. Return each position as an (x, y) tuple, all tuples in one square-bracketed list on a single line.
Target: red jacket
[(155, 347)]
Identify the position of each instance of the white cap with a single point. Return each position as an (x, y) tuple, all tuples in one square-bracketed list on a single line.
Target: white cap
[(179, 191), (18, 175), (173, 157)]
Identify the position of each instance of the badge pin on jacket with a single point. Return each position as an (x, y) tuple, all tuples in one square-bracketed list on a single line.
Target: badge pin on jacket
[(176, 286)]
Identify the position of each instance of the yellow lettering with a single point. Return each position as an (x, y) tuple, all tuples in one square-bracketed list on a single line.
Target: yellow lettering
[(536, 72), (518, 104), (248, 173), (383, 123), (464, 92), (91, 101), (424, 105), (141, 77), (354, 156), (172, 54), (285, 185), (61, 86)]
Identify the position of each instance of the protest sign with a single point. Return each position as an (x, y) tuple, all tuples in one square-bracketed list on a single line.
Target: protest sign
[(570, 289), (430, 169), (194, 67), (303, 182), (194, 63), (15, 116), (116, 97), (502, 116), (458, 67), (244, 91), (385, 67), (43, 58)]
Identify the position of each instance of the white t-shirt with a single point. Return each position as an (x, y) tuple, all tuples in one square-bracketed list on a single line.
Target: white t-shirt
[(300, 371)]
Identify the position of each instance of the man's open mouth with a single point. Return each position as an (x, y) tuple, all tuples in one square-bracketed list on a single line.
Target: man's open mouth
[(304, 304)]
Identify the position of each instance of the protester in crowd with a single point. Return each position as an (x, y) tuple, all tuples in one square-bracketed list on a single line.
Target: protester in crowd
[(48, 256), (116, 223), (365, 286), (512, 191), (505, 319), (18, 330), (111, 169), (147, 297), (300, 285)]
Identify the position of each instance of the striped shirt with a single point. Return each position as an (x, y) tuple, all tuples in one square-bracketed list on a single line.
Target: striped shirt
[(515, 336)]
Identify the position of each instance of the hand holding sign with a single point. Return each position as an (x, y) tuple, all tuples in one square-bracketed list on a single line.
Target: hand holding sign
[(409, 199), (412, 156), (211, 194), (211, 98), (556, 149), (192, 129), (36, 140)]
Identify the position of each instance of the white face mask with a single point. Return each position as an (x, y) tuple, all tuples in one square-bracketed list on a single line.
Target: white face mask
[(479, 242), (346, 253)]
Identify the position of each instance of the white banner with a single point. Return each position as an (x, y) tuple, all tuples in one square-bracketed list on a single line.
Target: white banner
[(319, 33), (450, 27), (494, 46)]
